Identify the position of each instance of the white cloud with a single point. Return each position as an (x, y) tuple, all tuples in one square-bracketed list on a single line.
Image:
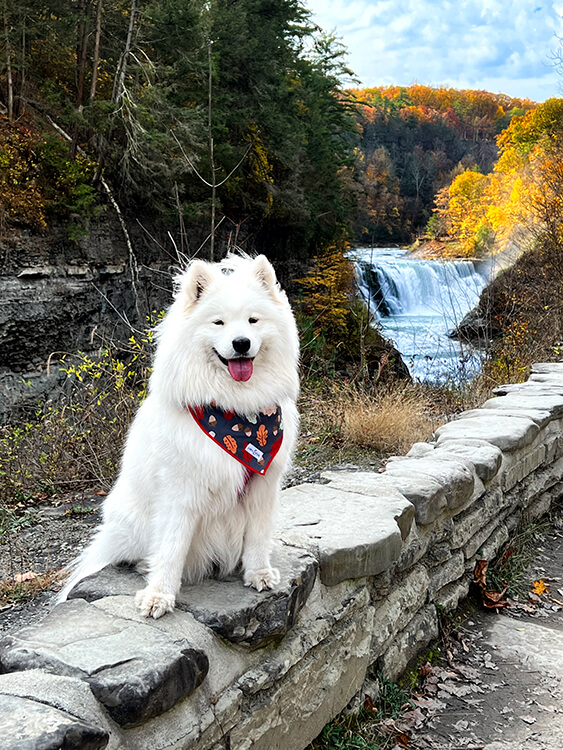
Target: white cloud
[(467, 44)]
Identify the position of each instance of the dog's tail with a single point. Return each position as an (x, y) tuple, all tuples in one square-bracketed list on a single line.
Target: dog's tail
[(95, 557)]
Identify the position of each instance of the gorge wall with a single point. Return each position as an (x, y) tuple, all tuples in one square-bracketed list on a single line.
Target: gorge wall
[(368, 560), (61, 296)]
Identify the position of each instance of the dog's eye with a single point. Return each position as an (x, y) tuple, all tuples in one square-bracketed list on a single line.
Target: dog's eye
[(218, 323), (253, 320)]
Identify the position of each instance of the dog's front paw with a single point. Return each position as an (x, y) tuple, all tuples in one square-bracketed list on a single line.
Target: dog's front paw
[(266, 578), (154, 603)]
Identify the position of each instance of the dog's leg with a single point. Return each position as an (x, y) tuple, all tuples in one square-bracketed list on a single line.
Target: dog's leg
[(260, 501), (173, 532)]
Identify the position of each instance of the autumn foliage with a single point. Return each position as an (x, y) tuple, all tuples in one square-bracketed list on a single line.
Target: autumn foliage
[(412, 142)]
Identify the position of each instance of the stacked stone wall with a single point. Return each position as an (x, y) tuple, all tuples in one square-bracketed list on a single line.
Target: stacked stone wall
[(368, 560)]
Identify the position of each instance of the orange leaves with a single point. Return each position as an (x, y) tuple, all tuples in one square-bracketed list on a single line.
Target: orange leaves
[(539, 588), (230, 443), (262, 435), (327, 287)]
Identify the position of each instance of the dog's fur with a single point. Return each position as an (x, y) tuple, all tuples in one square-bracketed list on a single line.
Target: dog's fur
[(179, 505)]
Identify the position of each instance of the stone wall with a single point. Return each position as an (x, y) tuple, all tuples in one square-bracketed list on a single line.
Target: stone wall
[(367, 560)]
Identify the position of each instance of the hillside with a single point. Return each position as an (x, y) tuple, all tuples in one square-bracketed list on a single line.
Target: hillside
[(412, 142)]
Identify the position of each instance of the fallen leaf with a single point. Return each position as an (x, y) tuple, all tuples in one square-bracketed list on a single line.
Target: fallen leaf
[(103, 493), (481, 567), (491, 599), (425, 669), (402, 739), (539, 587)]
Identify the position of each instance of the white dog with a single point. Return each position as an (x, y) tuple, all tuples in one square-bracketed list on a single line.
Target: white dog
[(206, 452)]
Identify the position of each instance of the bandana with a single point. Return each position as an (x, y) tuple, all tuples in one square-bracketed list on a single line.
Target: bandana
[(253, 441)]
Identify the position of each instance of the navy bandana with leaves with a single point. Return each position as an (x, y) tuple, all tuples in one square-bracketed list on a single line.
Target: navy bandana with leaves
[(253, 441)]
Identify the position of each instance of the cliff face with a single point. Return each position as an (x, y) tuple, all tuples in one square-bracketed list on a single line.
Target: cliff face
[(56, 294)]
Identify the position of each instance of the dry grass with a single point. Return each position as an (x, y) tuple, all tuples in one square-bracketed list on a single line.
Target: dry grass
[(385, 419), (27, 586), (389, 421)]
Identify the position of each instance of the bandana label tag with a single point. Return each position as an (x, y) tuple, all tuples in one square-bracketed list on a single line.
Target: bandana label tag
[(254, 451)]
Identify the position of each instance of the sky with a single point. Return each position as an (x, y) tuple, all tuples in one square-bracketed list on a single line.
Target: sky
[(501, 46)]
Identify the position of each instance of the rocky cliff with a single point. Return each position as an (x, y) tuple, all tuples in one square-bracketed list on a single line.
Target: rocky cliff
[(60, 296)]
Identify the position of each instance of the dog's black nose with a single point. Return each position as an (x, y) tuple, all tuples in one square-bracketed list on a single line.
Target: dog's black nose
[(241, 345)]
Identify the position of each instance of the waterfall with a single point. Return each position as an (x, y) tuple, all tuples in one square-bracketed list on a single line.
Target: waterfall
[(416, 303)]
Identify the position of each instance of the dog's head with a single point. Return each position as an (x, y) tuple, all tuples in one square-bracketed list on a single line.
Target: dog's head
[(234, 323)]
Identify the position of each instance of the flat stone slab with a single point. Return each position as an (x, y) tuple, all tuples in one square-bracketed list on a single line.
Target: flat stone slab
[(352, 534), (546, 367), (426, 493), (484, 456), (454, 475), (135, 671), (238, 613), (540, 416), (536, 389), (375, 485), (522, 401), (507, 433), (241, 614), (29, 725)]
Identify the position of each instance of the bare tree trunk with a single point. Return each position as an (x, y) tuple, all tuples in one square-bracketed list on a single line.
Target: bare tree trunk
[(9, 80), (96, 59), (119, 82), (211, 156), (81, 54), (21, 107), (118, 87)]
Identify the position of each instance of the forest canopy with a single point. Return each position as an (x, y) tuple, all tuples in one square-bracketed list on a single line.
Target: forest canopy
[(229, 113), (186, 107)]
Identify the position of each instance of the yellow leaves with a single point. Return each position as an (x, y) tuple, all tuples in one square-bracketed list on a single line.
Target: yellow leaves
[(539, 588), (261, 168), (326, 291)]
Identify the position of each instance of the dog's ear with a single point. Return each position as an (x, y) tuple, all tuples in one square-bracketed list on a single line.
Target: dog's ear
[(194, 281), (266, 275)]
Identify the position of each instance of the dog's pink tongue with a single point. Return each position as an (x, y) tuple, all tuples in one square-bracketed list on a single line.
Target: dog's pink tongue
[(240, 369)]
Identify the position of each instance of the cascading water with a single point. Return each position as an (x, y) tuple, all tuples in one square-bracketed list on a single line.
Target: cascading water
[(416, 303)]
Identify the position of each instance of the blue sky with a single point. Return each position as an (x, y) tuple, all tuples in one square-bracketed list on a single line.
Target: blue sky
[(497, 45)]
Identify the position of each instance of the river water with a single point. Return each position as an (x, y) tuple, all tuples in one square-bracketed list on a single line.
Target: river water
[(416, 303)]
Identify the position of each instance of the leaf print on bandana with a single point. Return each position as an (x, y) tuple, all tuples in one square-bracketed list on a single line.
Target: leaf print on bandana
[(231, 443), (262, 435)]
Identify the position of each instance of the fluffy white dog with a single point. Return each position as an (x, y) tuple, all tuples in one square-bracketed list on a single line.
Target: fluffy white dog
[(206, 452)]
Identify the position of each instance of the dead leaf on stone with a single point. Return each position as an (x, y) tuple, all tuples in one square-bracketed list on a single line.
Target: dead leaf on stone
[(539, 588), (425, 669), (402, 739), (412, 719), (481, 567), (468, 672), (461, 725)]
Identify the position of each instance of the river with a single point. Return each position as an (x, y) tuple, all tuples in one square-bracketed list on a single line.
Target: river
[(416, 302)]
